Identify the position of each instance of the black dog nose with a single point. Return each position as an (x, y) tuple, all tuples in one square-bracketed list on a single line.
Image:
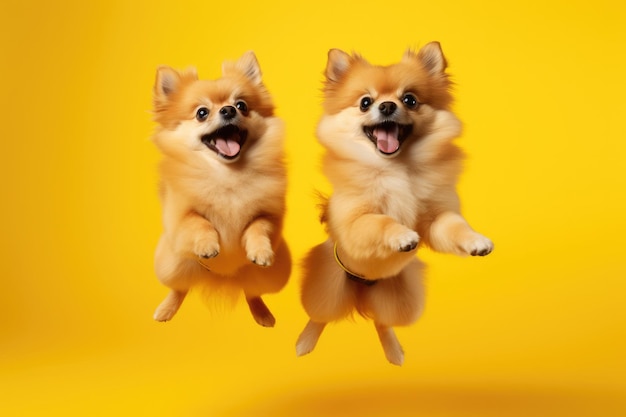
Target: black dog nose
[(228, 112), (387, 108)]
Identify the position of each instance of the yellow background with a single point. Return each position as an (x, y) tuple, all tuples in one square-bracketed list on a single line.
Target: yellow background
[(535, 329)]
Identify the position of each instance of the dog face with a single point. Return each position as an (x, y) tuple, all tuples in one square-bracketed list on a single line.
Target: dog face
[(379, 110), (217, 119)]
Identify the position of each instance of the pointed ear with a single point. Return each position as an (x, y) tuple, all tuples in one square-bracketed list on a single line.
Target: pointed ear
[(337, 65), (247, 65), (432, 58), (168, 81)]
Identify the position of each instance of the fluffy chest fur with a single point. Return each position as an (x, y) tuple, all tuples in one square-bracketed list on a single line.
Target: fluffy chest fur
[(230, 197), (363, 189), (402, 188)]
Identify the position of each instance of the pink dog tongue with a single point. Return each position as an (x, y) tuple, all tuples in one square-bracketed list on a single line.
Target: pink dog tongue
[(227, 147), (387, 140)]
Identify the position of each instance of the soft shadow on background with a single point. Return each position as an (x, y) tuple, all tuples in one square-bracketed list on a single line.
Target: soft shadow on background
[(392, 400)]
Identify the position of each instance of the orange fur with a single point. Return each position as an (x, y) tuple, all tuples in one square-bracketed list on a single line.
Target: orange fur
[(388, 135), (223, 183)]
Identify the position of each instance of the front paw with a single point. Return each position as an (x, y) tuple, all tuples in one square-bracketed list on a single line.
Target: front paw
[(477, 245), (262, 256), (206, 247), (404, 241)]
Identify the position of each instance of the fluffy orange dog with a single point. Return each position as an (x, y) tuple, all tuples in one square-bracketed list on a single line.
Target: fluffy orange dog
[(223, 183), (388, 134)]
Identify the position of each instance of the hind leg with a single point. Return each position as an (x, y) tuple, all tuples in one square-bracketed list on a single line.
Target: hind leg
[(256, 280), (396, 301), (326, 295), (176, 274), (169, 306), (391, 345), (262, 315), (309, 337)]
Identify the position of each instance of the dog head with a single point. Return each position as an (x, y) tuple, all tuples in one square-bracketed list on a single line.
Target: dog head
[(218, 119), (382, 108)]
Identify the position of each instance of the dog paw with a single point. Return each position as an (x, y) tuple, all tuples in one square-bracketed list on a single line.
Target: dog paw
[(391, 345), (395, 355), (478, 245), (206, 248), (263, 257), (169, 306), (261, 314), (309, 337), (164, 314), (405, 241)]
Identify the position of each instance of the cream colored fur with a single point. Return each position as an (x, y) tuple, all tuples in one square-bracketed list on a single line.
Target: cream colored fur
[(222, 218), (383, 206)]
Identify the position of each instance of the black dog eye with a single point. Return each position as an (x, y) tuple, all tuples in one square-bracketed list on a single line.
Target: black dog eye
[(410, 100), (202, 113), (242, 107), (366, 102)]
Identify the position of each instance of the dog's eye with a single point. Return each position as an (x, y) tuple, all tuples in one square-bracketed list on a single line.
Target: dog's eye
[(365, 104), (242, 107), (202, 113), (410, 100)]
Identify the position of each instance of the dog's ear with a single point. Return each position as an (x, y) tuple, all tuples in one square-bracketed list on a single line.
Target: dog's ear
[(247, 65), (168, 81), (431, 56), (338, 64)]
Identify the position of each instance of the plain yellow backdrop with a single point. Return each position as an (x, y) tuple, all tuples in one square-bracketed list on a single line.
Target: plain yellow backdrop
[(534, 329)]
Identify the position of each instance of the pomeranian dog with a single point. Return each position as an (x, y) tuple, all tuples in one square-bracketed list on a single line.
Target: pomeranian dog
[(223, 184), (389, 155)]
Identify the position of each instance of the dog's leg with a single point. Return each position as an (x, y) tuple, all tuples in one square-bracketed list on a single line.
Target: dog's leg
[(256, 281), (377, 235), (309, 337), (196, 235), (169, 306), (450, 233), (390, 343), (256, 241), (260, 312)]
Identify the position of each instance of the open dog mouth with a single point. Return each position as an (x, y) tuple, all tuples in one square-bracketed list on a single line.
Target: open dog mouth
[(387, 136), (226, 141)]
